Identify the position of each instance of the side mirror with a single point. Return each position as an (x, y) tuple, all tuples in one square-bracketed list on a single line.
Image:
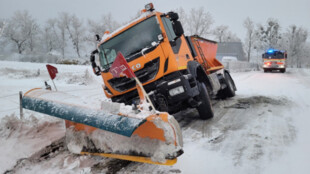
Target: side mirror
[(173, 16), (178, 29), (96, 68), (97, 37)]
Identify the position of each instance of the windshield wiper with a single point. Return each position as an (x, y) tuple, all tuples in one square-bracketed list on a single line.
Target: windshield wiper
[(142, 50), (133, 53)]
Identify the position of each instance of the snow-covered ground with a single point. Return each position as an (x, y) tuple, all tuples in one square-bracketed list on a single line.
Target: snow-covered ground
[(263, 129)]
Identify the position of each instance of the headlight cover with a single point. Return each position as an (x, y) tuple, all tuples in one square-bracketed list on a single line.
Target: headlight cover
[(176, 91)]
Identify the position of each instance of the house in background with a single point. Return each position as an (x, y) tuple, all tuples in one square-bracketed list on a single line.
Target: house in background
[(230, 49)]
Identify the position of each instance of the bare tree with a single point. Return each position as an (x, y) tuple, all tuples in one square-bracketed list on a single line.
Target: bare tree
[(222, 34), (63, 21), (249, 25), (106, 23), (199, 22), (76, 31), (50, 35), (2, 26), (21, 30), (34, 31), (96, 27), (270, 34), (306, 55), (231, 37), (296, 38)]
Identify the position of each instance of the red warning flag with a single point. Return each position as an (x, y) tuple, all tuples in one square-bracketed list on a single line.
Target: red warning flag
[(120, 65), (52, 71)]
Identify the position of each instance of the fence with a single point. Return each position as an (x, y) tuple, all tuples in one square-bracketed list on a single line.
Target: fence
[(241, 66)]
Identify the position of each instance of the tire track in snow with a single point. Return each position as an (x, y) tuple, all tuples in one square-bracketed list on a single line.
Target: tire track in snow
[(46, 153), (57, 150)]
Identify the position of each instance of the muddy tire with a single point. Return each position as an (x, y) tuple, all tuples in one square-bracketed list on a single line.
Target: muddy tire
[(229, 91), (205, 109)]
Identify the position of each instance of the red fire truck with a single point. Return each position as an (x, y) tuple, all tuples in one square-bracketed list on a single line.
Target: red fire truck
[(274, 60)]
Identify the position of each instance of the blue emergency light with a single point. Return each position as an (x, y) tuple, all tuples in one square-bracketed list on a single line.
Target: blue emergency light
[(270, 51)]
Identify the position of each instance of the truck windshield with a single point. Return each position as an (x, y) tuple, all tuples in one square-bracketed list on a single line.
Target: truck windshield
[(274, 55), (130, 41)]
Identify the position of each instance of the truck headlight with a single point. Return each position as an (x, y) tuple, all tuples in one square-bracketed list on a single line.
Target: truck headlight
[(176, 91)]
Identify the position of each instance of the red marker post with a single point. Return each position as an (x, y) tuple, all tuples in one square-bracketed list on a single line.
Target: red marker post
[(119, 66), (52, 72)]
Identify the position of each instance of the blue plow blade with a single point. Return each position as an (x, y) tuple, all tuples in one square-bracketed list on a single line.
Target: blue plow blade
[(96, 118)]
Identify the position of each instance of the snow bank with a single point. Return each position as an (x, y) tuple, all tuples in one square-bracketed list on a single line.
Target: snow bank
[(22, 138)]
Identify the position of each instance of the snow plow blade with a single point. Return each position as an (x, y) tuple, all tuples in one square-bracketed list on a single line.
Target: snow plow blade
[(143, 137)]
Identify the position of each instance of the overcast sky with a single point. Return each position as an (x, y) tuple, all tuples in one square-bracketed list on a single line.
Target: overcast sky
[(224, 12)]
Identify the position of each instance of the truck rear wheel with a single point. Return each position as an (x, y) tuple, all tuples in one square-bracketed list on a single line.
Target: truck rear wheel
[(205, 109), (229, 91)]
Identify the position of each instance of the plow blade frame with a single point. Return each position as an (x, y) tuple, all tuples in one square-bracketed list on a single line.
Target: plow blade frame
[(95, 118)]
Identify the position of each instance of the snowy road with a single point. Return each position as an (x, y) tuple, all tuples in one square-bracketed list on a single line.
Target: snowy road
[(263, 129)]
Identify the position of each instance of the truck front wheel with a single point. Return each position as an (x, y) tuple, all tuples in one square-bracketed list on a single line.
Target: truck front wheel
[(205, 109), (229, 91)]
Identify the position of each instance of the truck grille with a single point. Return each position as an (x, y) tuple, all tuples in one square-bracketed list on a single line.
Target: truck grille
[(144, 75)]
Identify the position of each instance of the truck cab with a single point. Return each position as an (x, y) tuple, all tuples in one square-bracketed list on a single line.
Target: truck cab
[(174, 69)]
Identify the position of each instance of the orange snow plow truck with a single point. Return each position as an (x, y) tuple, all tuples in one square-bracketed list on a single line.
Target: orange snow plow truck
[(177, 71), (173, 72)]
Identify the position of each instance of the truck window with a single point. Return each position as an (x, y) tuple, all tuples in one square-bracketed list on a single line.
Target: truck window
[(130, 42), (110, 55), (169, 28), (274, 55)]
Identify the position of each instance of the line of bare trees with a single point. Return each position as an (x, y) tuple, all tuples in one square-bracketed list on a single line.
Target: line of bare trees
[(68, 32), (200, 22), (65, 33)]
